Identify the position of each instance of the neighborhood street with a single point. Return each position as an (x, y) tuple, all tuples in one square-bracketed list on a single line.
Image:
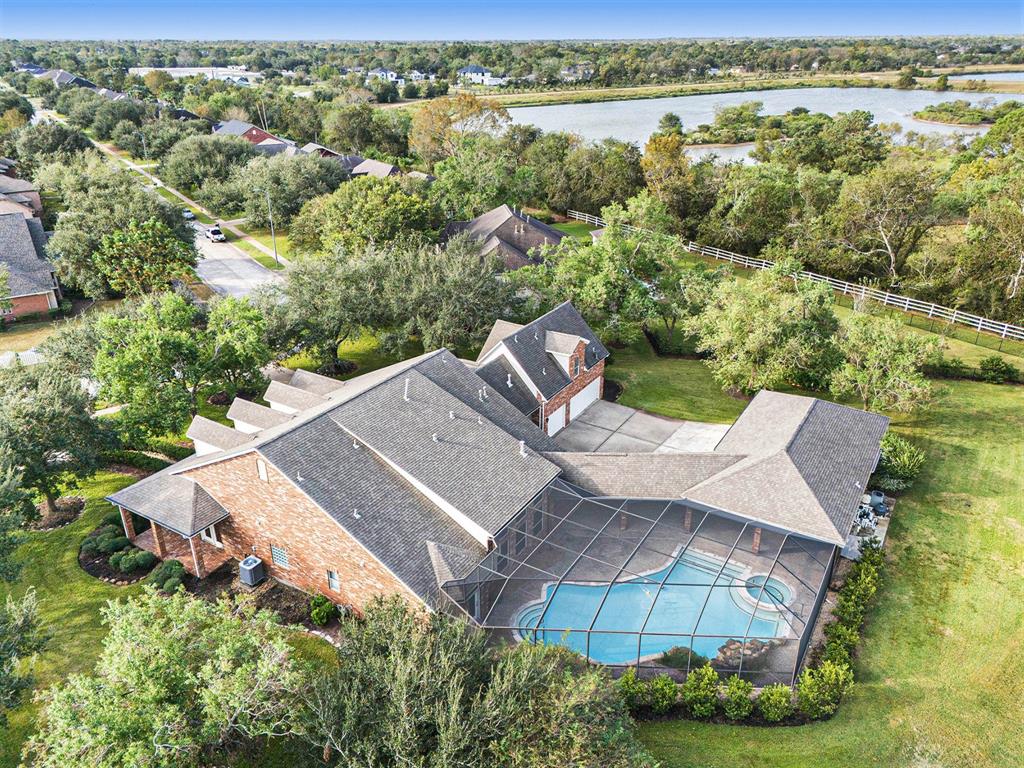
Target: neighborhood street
[(227, 270)]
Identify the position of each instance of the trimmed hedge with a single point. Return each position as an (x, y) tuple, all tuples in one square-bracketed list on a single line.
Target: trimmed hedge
[(167, 576), (135, 459), (994, 369)]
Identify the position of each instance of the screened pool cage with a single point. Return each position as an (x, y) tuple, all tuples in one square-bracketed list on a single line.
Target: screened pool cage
[(664, 585)]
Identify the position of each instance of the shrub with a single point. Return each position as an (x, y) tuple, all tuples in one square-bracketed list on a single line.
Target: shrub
[(144, 559), (949, 368), (737, 703), (109, 544), (663, 693), (871, 554), (819, 691), (135, 459), (635, 692), (112, 518), (321, 610), (775, 702), (842, 636), (700, 691), (997, 370), (900, 463), (681, 657), (167, 572), (116, 558)]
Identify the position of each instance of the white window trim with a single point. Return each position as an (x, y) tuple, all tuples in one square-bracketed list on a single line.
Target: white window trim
[(209, 535), (261, 470), (333, 576)]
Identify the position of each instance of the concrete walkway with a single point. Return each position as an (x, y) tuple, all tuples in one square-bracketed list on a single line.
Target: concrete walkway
[(612, 428)]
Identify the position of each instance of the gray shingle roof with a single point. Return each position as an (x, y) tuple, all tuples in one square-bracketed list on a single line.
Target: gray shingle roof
[(498, 373), (213, 433), (500, 330), (806, 464), (291, 397), (256, 415), (640, 475), (528, 346), (10, 185), (173, 501), (314, 382), (515, 236), (22, 254), (232, 127)]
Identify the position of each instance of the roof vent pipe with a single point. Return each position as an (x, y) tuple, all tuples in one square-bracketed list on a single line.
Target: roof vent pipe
[(355, 445), (509, 381), (451, 415), (515, 338), (484, 390), (522, 447), (406, 395), (434, 437), (480, 395), (355, 514)]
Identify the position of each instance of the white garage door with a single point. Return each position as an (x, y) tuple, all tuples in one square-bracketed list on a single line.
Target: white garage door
[(588, 395), (556, 420)]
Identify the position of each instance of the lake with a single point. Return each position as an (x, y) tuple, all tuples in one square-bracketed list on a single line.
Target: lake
[(636, 120)]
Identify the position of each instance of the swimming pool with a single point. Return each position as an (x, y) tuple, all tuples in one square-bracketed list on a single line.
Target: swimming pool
[(628, 605)]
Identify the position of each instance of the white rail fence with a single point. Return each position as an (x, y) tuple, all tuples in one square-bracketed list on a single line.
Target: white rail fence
[(903, 303)]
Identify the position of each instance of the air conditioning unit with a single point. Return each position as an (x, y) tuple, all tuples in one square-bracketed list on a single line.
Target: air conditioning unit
[(251, 572)]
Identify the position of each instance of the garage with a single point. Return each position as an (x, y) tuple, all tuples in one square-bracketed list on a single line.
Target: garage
[(556, 420), (589, 394)]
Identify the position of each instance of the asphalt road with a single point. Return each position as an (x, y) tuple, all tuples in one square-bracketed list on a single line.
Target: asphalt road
[(229, 271)]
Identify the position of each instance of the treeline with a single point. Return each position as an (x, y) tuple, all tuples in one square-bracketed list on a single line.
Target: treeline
[(611, 63)]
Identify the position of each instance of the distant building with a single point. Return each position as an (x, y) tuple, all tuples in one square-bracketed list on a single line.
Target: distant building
[(32, 286), (478, 75), (513, 236)]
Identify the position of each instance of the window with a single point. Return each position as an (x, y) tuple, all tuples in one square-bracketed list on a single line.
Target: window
[(575, 367), (333, 582), (209, 535), (261, 470), (502, 554), (279, 556), (537, 524)]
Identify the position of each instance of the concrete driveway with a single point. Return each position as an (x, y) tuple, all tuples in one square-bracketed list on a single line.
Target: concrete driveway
[(229, 271), (612, 428)]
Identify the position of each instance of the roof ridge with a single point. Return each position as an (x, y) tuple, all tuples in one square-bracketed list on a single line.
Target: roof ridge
[(800, 426)]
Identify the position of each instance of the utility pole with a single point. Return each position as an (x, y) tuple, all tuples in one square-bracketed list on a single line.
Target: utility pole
[(273, 237), (145, 151)]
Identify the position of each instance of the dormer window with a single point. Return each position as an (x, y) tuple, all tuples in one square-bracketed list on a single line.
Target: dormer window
[(575, 367)]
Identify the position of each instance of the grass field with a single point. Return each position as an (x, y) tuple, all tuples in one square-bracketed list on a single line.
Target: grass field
[(284, 246), (20, 336), (578, 229), (941, 675), (252, 251), (177, 201)]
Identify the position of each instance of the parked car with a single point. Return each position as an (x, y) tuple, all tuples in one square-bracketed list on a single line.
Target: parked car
[(187, 214), (215, 235)]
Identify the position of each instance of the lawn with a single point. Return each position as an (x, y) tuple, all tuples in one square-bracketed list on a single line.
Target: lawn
[(250, 250), (178, 202), (69, 602), (577, 229), (284, 245), (20, 336), (364, 351), (941, 674)]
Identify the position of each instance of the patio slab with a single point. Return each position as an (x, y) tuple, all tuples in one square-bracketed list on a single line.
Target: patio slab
[(694, 437), (621, 443), (652, 429), (583, 437), (606, 415)]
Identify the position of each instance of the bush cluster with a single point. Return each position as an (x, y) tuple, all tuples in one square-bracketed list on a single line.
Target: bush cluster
[(136, 459), (899, 465), (132, 559), (994, 369), (106, 540), (167, 576), (321, 610)]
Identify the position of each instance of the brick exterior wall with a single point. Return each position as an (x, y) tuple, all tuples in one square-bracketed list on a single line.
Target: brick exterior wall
[(27, 305), (275, 512), (576, 386)]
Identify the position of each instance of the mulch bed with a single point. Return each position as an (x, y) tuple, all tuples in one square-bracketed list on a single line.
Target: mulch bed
[(290, 604), (68, 510), (125, 469)]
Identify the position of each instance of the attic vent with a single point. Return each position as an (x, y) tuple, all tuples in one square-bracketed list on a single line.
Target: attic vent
[(480, 395)]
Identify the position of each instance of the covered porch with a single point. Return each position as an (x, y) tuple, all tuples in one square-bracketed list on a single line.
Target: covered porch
[(201, 553)]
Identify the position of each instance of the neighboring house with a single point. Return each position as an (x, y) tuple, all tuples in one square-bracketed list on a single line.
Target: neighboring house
[(426, 481), (22, 192), (62, 78), (8, 167), (176, 113), (264, 142), (348, 162), (478, 75), (32, 287), (513, 236), (376, 168), (380, 73), (551, 369), (417, 77)]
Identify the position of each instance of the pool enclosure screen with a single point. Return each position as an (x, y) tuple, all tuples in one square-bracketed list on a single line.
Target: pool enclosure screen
[(662, 584)]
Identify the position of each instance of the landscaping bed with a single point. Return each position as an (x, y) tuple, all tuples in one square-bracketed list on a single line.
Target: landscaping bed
[(68, 508), (108, 555)]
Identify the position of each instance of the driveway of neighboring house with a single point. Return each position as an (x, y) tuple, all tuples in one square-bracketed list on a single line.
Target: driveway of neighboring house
[(612, 428)]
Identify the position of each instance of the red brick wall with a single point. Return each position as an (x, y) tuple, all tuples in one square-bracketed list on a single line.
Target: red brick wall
[(276, 512), (26, 305), (576, 386)]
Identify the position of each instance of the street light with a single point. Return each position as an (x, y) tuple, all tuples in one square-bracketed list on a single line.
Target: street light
[(270, 215)]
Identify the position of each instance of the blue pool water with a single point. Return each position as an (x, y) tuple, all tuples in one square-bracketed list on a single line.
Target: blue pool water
[(727, 615), (774, 590)]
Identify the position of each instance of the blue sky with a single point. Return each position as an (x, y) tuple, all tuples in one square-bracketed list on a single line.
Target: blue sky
[(499, 19)]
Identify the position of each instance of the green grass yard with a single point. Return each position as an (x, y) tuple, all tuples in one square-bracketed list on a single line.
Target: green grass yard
[(284, 245), (577, 229), (178, 202), (941, 673), (250, 250)]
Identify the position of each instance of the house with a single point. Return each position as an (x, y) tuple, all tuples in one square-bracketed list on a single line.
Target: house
[(478, 75), (20, 192), (417, 77), (62, 78), (348, 162), (514, 237), (382, 73), (32, 286), (551, 369), (264, 142), (375, 168), (429, 481)]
